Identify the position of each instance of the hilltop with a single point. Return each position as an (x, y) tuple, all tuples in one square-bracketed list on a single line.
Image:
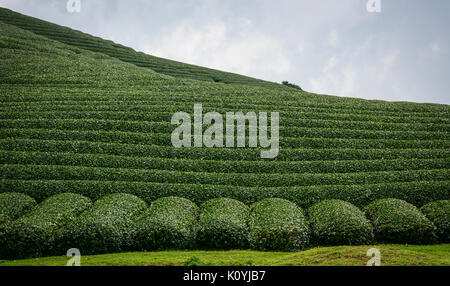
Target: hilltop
[(87, 42)]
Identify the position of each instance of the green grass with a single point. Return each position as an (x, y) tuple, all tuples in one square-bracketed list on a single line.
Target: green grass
[(391, 255)]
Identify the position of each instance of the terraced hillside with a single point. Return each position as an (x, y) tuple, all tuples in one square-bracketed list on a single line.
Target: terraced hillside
[(126, 54), (74, 120)]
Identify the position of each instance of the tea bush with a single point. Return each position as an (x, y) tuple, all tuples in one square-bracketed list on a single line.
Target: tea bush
[(417, 193), (396, 221), (12, 205), (223, 224), (51, 172), (277, 224), (34, 233), (169, 223), (438, 213), (336, 222), (104, 227)]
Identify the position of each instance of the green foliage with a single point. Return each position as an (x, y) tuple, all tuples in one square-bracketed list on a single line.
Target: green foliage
[(336, 222), (299, 128), (158, 118), (277, 224), (170, 222), (104, 227), (160, 139), (223, 224), (438, 213), (45, 172), (12, 205), (286, 154), (397, 221), (417, 193), (189, 165), (34, 233)]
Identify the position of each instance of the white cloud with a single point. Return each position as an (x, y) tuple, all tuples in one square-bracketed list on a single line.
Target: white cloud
[(213, 45), (360, 71), (332, 62), (390, 59), (339, 83), (435, 48), (333, 38)]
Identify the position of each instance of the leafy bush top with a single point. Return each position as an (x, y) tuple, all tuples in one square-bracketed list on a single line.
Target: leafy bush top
[(396, 221), (277, 224), (104, 227), (223, 224), (438, 213), (336, 222), (55, 211), (33, 234), (12, 205), (115, 210), (169, 222)]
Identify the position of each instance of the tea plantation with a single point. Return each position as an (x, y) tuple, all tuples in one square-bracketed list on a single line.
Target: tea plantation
[(87, 159)]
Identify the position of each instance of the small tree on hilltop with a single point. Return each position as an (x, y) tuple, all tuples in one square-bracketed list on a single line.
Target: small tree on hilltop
[(286, 83)]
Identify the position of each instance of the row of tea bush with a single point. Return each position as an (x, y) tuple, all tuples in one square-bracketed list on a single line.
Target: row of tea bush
[(123, 222)]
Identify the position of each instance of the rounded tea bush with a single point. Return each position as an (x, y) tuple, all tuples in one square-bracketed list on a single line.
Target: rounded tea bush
[(223, 224), (12, 205), (277, 224), (396, 221), (104, 227), (439, 214), (336, 222), (169, 223), (33, 234)]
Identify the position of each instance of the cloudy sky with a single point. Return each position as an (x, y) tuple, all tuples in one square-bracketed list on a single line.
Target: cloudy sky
[(333, 47)]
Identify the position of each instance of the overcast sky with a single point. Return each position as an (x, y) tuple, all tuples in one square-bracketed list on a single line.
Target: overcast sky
[(326, 46)]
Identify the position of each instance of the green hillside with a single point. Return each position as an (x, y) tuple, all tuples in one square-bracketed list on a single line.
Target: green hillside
[(82, 115)]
